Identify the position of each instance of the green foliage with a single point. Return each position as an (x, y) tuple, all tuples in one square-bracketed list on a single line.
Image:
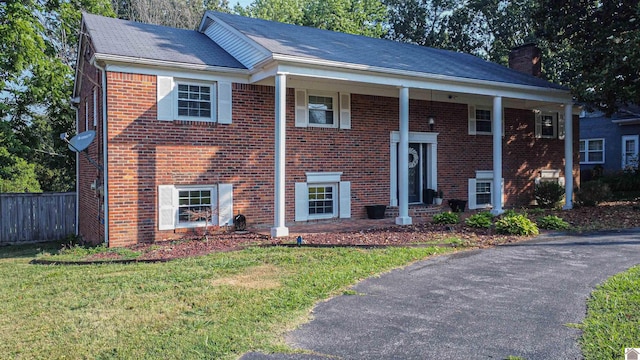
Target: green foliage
[(622, 181), (592, 193), (596, 56), (613, 314), (446, 218), (480, 220), (16, 174), (548, 194), (516, 225), (485, 28), (38, 40), (361, 17), (552, 222)]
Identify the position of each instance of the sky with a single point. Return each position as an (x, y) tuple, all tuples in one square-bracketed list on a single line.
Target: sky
[(243, 3)]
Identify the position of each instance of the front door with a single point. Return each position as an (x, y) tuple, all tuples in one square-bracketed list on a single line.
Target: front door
[(415, 188), (417, 174)]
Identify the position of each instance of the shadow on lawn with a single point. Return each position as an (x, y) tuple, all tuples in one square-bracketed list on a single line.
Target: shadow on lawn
[(28, 250)]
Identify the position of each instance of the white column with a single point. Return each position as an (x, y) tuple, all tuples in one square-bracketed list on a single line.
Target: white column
[(279, 228), (568, 156), (403, 160), (496, 128)]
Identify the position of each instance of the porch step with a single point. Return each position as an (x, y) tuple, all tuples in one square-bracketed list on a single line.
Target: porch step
[(416, 211)]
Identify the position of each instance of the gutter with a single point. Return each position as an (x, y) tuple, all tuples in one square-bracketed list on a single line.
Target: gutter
[(105, 173)]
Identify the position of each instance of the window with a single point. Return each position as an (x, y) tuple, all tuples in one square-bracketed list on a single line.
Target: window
[(549, 125), (194, 101), (322, 196), (194, 206), (481, 190), (186, 206), (483, 121), (592, 151), (322, 109), (630, 152), (483, 193), (322, 201)]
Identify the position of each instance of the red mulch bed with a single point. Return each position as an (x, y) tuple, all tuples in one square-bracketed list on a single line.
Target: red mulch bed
[(618, 215)]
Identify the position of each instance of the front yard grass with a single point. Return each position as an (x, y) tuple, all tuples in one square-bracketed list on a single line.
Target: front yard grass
[(613, 317), (216, 306)]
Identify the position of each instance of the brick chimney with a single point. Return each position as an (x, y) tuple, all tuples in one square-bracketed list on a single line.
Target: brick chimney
[(527, 59)]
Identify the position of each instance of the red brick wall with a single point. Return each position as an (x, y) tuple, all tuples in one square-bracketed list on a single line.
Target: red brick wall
[(90, 211), (145, 153)]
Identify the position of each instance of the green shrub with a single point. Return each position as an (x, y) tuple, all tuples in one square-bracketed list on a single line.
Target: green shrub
[(516, 225), (446, 218), (535, 211), (548, 193), (480, 220), (623, 181), (552, 222), (592, 193), (509, 212)]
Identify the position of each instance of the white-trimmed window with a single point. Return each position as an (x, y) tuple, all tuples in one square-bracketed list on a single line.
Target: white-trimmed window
[(179, 206), (481, 190), (195, 206), (629, 151), (194, 100), (549, 125), (322, 109), (592, 151), (322, 201), (549, 175), (322, 196), (481, 120)]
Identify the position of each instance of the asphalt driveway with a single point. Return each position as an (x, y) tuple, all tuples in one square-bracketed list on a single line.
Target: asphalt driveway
[(511, 300)]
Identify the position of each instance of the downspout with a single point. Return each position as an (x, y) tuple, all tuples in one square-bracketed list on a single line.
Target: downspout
[(105, 182)]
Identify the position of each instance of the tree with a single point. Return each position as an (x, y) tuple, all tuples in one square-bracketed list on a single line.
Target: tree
[(362, 17), (419, 22), (185, 14), (38, 39), (595, 45)]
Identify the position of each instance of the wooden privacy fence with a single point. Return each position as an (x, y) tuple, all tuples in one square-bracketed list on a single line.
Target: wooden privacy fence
[(36, 217)]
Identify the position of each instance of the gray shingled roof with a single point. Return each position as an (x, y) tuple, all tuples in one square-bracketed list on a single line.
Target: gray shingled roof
[(137, 40), (320, 44)]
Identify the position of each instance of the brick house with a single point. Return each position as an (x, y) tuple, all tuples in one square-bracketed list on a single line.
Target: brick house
[(287, 124)]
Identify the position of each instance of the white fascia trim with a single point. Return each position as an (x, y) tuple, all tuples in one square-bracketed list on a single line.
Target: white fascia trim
[(181, 74), (412, 79), (108, 58), (79, 56), (255, 45)]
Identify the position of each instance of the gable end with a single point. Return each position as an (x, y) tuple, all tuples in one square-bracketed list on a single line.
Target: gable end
[(234, 43)]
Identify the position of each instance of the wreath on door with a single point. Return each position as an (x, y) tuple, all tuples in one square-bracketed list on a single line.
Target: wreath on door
[(413, 158)]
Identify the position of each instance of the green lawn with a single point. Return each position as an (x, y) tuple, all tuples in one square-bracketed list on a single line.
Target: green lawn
[(613, 317), (216, 306)]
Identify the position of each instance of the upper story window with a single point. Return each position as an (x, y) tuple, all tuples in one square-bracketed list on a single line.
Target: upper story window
[(592, 151), (480, 120), (483, 121), (549, 125), (323, 109), (194, 101)]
